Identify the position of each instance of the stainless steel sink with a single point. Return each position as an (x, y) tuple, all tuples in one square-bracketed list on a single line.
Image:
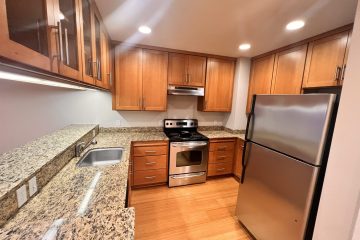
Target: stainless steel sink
[(101, 157)]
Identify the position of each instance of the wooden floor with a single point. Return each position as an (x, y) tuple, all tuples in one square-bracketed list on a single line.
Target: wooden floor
[(201, 211)]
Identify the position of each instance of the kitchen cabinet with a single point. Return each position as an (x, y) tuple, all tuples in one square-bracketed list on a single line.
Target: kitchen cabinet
[(237, 169), (325, 63), (150, 163), (260, 77), (288, 71), (219, 86), (186, 70), (25, 34), (221, 157), (138, 74)]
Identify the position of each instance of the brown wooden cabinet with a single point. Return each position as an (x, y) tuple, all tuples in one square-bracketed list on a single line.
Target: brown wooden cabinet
[(237, 169), (140, 79), (288, 71), (186, 70), (221, 156), (325, 61), (260, 77), (219, 86), (149, 163)]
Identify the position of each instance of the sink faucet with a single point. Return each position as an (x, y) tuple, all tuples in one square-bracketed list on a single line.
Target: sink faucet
[(81, 146)]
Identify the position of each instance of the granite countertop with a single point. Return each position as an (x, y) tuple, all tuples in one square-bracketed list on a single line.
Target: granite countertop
[(82, 203), (22, 162), (223, 134)]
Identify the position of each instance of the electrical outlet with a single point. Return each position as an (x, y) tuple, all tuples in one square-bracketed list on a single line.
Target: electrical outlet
[(32, 186), (21, 195), (94, 133)]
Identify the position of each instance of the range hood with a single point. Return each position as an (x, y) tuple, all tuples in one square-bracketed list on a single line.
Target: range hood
[(183, 90)]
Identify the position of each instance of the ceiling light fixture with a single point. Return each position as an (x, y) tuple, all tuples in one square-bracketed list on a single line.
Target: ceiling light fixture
[(294, 25), (144, 29), (244, 46)]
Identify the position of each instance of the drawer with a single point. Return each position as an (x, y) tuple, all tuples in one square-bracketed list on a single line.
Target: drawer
[(150, 150), (150, 162), (215, 169), (150, 177), (221, 156), (222, 146)]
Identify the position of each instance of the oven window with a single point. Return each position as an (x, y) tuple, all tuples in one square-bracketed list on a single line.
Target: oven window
[(188, 158)]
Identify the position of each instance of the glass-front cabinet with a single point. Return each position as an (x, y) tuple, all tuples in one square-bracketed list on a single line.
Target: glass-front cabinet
[(87, 41), (24, 34)]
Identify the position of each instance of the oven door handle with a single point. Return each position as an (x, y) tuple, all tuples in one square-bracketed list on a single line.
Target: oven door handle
[(189, 144), (188, 175)]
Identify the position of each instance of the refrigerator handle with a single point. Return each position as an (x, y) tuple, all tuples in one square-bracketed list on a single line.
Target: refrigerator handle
[(251, 115)]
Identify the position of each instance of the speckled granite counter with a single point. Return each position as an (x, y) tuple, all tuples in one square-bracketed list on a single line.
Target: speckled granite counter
[(223, 134), (61, 208)]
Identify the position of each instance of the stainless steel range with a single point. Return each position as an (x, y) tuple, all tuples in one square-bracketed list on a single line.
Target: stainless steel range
[(189, 152)]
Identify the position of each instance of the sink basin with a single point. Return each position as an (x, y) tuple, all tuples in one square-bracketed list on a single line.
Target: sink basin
[(101, 157)]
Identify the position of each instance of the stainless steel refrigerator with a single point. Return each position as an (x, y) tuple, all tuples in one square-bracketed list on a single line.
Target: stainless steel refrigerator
[(283, 164)]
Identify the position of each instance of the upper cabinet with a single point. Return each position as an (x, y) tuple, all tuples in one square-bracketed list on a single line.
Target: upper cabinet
[(288, 71), (140, 79), (66, 37), (260, 77), (25, 32), (219, 86), (67, 17), (186, 70), (325, 63)]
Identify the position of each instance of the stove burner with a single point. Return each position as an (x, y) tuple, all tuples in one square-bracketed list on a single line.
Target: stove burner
[(182, 130)]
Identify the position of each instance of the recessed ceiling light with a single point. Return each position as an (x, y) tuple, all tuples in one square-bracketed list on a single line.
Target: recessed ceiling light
[(244, 46), (144, 29), (294, 25)]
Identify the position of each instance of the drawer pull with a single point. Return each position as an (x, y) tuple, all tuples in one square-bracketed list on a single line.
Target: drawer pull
[(150, 163), (150, 151), (152, 177), (221, 157), (221, 149), (220, 169)]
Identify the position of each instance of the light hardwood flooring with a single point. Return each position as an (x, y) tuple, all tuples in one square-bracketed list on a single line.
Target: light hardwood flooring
[(201, 211)]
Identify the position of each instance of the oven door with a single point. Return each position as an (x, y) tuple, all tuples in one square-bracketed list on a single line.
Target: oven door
[(188, 157)]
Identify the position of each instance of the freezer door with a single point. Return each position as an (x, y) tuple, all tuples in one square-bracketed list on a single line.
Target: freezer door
[(275, 198), (296, 125)]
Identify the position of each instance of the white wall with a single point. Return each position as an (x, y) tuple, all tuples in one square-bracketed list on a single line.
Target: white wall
[(237, 118), (29, 111), (339, 201)]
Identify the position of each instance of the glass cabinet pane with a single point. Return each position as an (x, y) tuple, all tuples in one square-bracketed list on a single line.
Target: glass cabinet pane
[(86, 13), (69, 33), (27, 23), (98, 48)]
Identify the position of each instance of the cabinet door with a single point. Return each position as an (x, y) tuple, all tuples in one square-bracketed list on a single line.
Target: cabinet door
[(261, 77), (87, 41), (128, 79), (196, 70), (67, 16), (219, 85), (325, 60), (288, 71), (98, 50), (177, 69), (105, 60), (154, 77), (24, 33)]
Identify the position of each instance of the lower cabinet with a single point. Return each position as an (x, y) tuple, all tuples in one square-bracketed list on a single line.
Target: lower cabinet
[(221, 156), (149, 162), (237, 170)]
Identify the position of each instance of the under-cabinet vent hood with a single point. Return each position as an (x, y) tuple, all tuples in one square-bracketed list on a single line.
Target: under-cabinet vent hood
[(189, 91)]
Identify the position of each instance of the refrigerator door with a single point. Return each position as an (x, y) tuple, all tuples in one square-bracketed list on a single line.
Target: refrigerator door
[(275, 198), (296, 125)]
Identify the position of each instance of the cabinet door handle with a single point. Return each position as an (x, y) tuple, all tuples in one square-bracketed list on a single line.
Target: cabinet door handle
[(60, 41), (152, 177), (150, 151), (98, 69), (67, 47), (343, 72), (220, 169), (150, 163), (338, 73), (221, 157)]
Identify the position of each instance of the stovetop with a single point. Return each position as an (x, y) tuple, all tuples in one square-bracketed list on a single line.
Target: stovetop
[(180, 130)]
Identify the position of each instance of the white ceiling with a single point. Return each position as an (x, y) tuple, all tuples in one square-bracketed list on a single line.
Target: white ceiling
[(219, 26)]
